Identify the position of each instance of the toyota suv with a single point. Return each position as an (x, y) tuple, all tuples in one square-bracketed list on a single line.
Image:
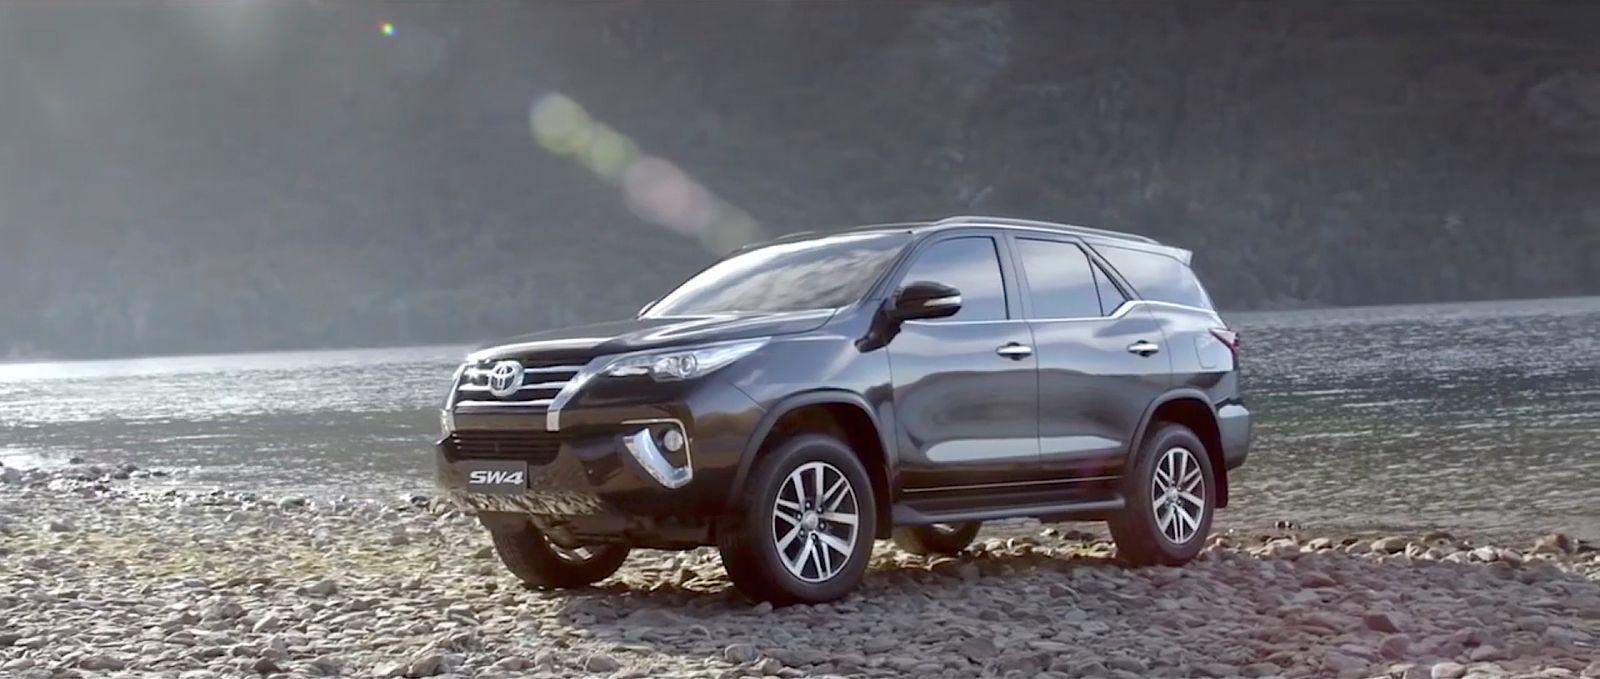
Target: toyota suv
[(799, 399)]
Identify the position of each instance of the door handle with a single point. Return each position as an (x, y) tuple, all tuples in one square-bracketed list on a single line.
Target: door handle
[(1143, 348), (1014, 351)]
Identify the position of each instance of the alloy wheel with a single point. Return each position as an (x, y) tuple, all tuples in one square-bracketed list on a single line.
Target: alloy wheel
[(814, 522), (1177, 492)]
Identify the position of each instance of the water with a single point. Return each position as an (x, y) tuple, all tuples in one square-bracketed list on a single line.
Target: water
[(1476, 416)]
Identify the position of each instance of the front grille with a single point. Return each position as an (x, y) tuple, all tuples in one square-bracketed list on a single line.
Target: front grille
[(540, 384), (534, 447)]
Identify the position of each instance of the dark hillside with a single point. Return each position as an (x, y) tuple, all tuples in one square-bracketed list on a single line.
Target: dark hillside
[(180, 176)]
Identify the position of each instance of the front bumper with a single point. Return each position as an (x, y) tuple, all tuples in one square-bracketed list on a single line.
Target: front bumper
[(598, 464)]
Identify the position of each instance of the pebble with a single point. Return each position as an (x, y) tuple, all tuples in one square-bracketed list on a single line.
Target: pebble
[(425, 666), (1317, 579), (1383, 621), (323, 588), (1389, 545), (190, 583), (1553, 543), (978, 649), (601, 662), (740, 653)]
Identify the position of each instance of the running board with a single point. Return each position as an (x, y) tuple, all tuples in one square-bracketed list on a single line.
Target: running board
[(1083, 510)]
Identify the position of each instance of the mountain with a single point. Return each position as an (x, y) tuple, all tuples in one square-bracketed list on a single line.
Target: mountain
[(179, 176)]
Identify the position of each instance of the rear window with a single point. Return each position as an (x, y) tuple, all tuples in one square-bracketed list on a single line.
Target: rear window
[(1060, 282), (1157, 277)]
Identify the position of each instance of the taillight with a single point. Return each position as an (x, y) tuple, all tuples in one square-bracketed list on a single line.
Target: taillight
[(1229, 338)]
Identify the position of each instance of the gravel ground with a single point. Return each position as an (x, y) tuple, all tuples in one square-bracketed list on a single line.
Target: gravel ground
[(101, 578)]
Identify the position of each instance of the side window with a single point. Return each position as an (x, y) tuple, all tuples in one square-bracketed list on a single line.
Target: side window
[(971, 265), (1157, 277), (1110, 296), (1060, 282)]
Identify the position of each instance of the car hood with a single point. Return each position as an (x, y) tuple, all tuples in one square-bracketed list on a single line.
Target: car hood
[(616, 337)]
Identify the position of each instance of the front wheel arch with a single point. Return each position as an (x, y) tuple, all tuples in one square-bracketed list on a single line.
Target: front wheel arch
[(843, 415)]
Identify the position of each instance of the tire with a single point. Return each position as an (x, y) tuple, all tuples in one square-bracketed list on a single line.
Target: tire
[(541, 564), (1141, 536), (939, 538), (758, 547)]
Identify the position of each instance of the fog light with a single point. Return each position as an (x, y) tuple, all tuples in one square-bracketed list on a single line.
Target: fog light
[(672, 441), (642, 445)]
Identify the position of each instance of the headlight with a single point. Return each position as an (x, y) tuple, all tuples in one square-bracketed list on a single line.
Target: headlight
[(682, 364)]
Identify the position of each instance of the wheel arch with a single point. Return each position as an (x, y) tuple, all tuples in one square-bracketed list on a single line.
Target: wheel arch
[(841, 413), (1193, 409)]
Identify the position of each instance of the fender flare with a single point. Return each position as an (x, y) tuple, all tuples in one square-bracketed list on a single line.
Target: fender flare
[(1144, 430), (1150, 412), (758, 436)]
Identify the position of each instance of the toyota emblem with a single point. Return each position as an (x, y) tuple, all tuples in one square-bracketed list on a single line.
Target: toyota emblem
[(505, 378)]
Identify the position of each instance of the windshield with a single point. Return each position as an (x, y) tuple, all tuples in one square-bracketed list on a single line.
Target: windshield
[(822, 273)]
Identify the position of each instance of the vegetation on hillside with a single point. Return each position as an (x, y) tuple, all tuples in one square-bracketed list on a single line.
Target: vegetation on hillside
[(240, 175)]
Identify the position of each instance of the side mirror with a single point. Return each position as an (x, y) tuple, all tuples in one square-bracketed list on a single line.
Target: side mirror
[(925, 299)]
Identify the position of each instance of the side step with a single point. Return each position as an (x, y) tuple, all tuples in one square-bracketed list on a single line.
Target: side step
[(1080, 510)]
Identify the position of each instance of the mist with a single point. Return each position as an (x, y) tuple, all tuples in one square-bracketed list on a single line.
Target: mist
[(225, 176)]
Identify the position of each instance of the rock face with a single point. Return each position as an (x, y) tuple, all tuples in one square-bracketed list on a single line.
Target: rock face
[(227, 585)]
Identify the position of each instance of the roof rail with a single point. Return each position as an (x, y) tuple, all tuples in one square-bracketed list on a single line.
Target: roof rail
[(1068, 228)]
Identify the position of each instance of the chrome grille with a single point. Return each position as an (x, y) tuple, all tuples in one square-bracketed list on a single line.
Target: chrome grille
[(540, 384)]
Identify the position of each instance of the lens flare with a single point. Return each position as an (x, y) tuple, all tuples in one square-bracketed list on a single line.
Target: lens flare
[(656, 190), (386, 28)]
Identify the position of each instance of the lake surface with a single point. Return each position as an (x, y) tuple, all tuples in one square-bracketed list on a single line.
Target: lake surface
[(1482, 416)]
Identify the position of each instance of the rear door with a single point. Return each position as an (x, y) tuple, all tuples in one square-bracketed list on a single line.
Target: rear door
[(1102, 360), (966, 387)]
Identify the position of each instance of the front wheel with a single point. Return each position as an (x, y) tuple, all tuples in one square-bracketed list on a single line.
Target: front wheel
[(805, 530), (542, 564), (1171, 494)]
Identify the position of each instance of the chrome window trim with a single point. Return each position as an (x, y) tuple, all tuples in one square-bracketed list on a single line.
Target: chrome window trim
[(988, 322), (1128, 306), (1153, 246)]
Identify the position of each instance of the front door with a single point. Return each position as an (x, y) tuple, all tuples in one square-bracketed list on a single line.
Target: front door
[(965, 387), (1102, 359)]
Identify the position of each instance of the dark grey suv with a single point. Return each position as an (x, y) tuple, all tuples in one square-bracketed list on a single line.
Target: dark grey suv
[(801, 398)]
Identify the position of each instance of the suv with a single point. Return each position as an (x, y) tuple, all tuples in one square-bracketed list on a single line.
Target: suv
[(801, 398)]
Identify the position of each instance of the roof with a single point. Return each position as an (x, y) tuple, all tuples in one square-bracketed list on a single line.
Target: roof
[(1098, 235)]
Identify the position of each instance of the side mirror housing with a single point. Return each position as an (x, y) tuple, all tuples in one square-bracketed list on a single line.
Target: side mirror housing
[(923, 300)]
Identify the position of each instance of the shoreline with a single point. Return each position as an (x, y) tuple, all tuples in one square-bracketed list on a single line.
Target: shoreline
[(99, 578)]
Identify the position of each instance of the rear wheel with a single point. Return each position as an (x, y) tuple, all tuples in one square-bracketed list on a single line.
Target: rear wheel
[(542, 564), (938, 538), (1171, 494), (806, 525)]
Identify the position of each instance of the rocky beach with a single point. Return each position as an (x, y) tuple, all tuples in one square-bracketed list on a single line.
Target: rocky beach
[(103, 575)]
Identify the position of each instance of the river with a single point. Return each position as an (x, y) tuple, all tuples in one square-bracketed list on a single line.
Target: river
[(1480, 417)]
